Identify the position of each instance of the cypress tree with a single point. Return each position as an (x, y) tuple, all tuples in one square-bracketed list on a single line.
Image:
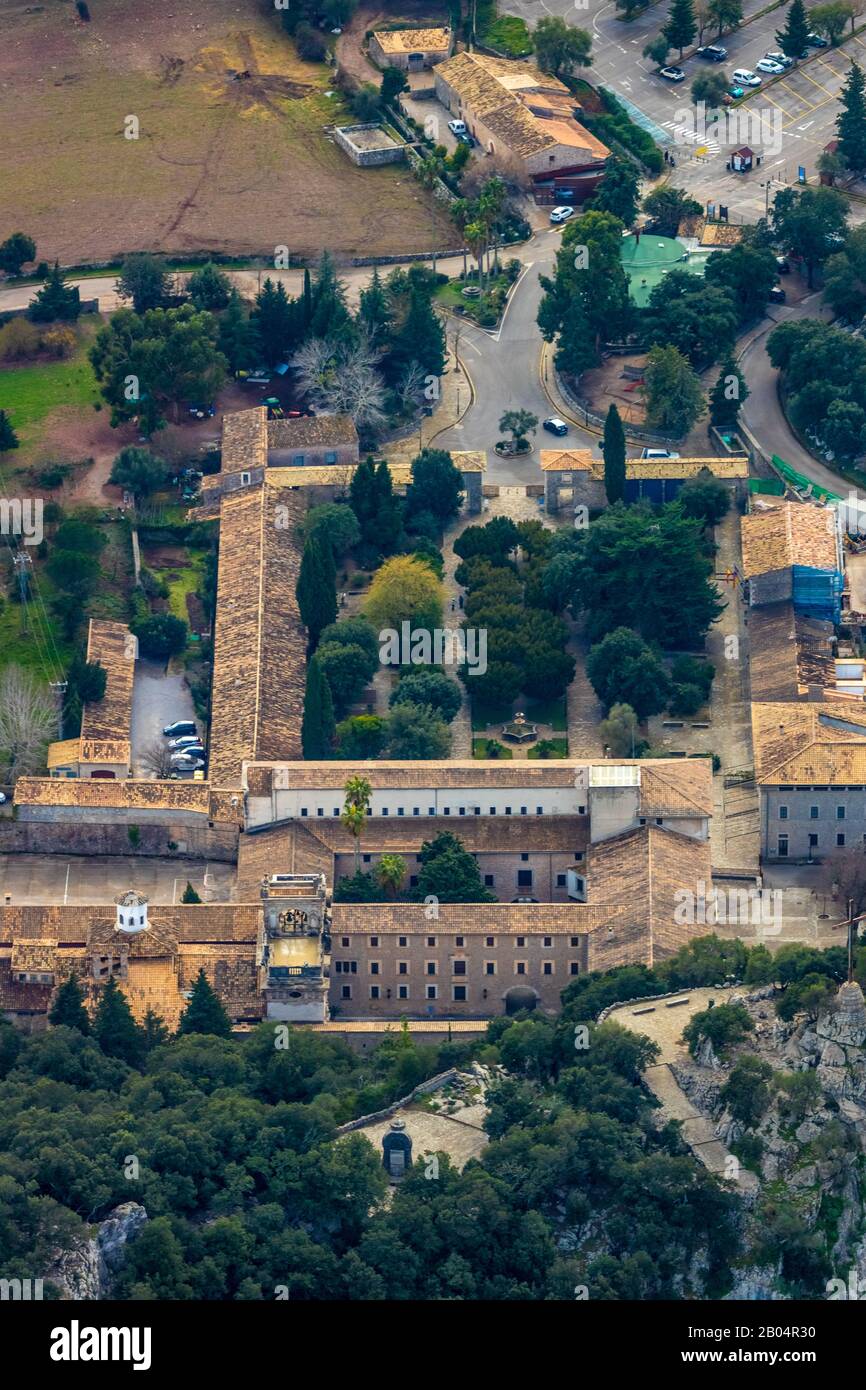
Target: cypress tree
[(56, 300), (8, 437), (318, 728), (155, 1031), (794, 37), (307, 300), (189, 894), (68, 1009), (728, 394), (115, 1029), (614, 456), (316, 589), (851, 121), (237, 339), (422, 338), (204, 1013)]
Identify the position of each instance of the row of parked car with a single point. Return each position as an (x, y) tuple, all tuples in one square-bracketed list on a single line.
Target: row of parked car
[(773, 63), (185, 746)]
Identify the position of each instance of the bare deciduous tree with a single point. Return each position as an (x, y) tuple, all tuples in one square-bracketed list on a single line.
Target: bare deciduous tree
[(28, 722), (155, 758), (343, 377), (843, 877)]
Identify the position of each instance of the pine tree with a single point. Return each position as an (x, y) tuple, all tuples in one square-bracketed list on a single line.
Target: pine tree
[(374, 310), (681, 26), (614, 456), (68, 1009), (115, 1029), (318, 728), (422, 337), (55, 300), (316, 588), (189, 894), (330, 318), (793, 39), (728, 394), (274, 320), (204, 1013), (8, 437), (851, 120), (307, 301)]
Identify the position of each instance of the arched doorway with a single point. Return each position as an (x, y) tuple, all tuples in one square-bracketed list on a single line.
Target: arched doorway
[(520, 997)]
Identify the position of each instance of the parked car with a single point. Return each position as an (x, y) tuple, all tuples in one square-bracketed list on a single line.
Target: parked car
[(736, 92), (180, 726), (672, 74), (816, 41), (194, 750), (770, 65), (779, 57), (2, 798), (713, 53), (466, 139), (782, 266), (561, 214), (184, 741), (457, 127), (744, 77), (777, 295), (658, 454), (184, 760), (554, 425)]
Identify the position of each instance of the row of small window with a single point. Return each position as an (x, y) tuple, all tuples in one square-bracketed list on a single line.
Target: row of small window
[(813, 843), (458, 992), (431, 967), (814, 813), (446, 811), (459, 941)]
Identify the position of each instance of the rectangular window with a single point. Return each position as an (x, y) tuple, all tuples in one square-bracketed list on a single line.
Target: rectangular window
[(783, 847), (539, 810), (520, 967), (447, 811), (524, 878), (783, 813), (346, 992), (523, 810), (458, 967), (413, 880), (374, 941), (344, 940), (548, 941), (430, 967), (490, 941), (521, 941), (547, 968), (400, 811), (490, 967), (402, 967), (493, 810), (431, 941), (813, 841), (431, 992), (374, 991), (402, 991), (573, 967), (384, 810), (462, 811), (813, 812), (575, 941), (459, 994), (840, 812), (525, 858), (840, 840), (374, 967), (458, 941), (416, 810), (560, 880), (508, 810), (401, 940), (298, 460), (319, 811), (488, 880), (330, 457), (303, 810), (431, 811)]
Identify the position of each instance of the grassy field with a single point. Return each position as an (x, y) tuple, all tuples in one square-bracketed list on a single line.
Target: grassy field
[(231, 151), (30, 393)]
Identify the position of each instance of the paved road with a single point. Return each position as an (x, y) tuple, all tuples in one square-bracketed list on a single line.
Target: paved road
[(41, 878)]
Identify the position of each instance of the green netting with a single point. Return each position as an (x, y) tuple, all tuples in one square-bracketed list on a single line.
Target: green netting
[(647, 260), (798, 480), (773, 486)]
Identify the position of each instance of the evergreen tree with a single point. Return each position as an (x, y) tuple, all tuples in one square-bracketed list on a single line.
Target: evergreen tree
[(728, 394), (330, 317), (318, 727), (307, 301), (237, 336), (793, 39), (619, 190), (15, 250), (614, 456), (144, 279), (68, 1009), (8, 437), (449, 872), (681, 26), (851, 120), (189, 894), (204, 1013), (55, 300), (374, 310), (155, 1031), (316, 588), (387, 521), (275, 323), (115, 1029), (422, 337)]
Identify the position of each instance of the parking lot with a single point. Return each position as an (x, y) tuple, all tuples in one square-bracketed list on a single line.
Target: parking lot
[(158, 699), (37, 878)]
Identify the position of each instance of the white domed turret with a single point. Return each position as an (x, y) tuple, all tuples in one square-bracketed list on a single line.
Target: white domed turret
[(131, 913)]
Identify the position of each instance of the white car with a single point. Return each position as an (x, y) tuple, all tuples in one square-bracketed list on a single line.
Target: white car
[(561, 214), (457, 127), (186, 741), (744, 77), (658, 454), (2, 798), (770, 65), (672, 74)]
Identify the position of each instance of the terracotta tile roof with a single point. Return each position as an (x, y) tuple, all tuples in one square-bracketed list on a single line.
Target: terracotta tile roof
[(566, 460), (500, 93), (788, 654), (259, 639), (584, 461), (810, 744), (646, 868), (330, 475), (311, 430), (196, 797), (245, 440), (467, 460), (106, 723), (75, 925), (796, 533), (63, 754), (680, 787), (476, 919), (413, 40)]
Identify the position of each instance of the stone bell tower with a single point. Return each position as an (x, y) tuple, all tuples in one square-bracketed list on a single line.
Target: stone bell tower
[(294, 945)]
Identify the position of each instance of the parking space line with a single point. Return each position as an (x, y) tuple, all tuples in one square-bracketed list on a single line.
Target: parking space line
[(66, 885), (818, 84)]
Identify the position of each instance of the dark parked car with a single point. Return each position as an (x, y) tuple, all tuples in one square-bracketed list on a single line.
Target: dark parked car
[(713, 53), (782, 266), (777, 295), (554, 425)]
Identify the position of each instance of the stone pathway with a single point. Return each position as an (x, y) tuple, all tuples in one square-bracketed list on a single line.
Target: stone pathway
[(584, 709)]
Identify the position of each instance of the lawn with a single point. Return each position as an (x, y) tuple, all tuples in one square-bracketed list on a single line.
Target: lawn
[(479, 751), (560, 749), (551, 712), (28, 649), (182, 581), (30, 393)]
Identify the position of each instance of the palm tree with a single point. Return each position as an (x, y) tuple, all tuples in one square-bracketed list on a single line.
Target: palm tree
[(476, 239), (390, 872), (357, 793), (490, 204), (461, 212)]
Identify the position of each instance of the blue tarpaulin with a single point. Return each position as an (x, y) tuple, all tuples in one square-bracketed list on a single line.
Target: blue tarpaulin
[(817, 593)]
